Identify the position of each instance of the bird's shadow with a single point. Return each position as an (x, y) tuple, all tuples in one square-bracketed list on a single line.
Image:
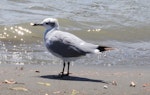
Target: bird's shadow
[(73, 78)]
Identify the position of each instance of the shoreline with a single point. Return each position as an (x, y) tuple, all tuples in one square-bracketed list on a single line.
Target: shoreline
[(84, 80)]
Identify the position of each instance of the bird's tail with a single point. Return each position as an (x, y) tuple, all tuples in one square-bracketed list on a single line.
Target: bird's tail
[(104, 48)]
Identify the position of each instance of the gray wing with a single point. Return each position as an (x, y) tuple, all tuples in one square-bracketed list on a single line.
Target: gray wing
[(68, 45)]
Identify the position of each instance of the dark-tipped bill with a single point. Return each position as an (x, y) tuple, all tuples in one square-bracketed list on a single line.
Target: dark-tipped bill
[(36, 24)]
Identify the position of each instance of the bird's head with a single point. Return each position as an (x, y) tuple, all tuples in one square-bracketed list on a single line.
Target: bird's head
[(48, 23)]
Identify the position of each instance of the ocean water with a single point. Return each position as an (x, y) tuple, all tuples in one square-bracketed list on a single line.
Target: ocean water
[(120, 24)]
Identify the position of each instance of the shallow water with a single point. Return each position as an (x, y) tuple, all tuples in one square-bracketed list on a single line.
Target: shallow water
[(120, 24)]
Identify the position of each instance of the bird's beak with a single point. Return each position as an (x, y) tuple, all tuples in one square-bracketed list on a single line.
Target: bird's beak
[(36, 24)]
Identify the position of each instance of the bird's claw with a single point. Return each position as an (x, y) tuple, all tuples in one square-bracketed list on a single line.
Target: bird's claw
[(61, 74)]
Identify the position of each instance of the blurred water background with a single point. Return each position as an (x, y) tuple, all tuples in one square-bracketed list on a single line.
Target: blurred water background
[(123, 24)]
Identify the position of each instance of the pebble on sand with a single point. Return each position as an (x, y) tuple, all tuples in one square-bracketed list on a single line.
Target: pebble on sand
[(132, 84)]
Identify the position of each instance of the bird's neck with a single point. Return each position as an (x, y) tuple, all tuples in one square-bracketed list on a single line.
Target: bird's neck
[(50, 28), (49, 31)]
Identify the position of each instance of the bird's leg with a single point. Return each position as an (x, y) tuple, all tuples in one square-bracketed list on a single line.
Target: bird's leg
[(68, 68), (62, 73), (63, 68)]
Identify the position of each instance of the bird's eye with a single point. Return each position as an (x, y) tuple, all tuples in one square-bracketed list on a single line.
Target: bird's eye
[(46, 23)]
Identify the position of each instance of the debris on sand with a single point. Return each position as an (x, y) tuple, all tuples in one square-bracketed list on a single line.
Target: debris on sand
[(37, 71), (56, 92), (146, 84), (105, 87), (74, 92), (132, 84), (19, 89), (114, 83), (10, 82), (44, 83)]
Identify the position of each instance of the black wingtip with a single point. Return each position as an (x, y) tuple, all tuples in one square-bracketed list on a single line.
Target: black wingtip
[(104, 48)]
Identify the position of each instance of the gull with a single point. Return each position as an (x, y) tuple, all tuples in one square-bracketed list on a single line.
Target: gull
[(65, 45)]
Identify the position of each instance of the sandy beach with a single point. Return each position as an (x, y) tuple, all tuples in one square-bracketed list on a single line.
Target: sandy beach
[(27, 68), (84, 80)]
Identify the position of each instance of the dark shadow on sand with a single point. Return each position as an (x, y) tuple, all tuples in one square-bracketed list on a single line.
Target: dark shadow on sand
[(72, 78)]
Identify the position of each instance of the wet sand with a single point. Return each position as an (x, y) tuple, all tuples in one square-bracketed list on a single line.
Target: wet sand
[(84, 80)]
